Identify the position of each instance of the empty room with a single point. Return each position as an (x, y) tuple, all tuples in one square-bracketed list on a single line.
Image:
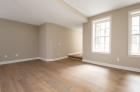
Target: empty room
[(69, 45)]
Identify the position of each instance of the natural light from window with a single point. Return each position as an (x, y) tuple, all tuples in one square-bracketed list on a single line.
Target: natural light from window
[(134, 33), (101, 35)]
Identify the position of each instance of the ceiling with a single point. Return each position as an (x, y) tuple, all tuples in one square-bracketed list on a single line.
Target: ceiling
[(38, 12), (68, 13), (94, 7)]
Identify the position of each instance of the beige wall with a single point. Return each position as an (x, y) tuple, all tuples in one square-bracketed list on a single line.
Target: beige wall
[(18, 38), (50, 37), (30, 41), (46, 41), (119, 40), (43, 41), (70, 41)]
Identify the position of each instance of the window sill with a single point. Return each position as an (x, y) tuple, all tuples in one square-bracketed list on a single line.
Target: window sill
[(130, 55), (106, 53)]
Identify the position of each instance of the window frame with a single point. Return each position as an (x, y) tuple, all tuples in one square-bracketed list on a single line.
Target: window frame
[(93, 35), (130, 33)]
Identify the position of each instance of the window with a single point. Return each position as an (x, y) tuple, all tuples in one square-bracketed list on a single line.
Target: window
[(101, 35), (134, 33)]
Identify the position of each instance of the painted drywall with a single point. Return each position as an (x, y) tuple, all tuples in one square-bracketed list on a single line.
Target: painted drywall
[(70, 41), (119, 39), (45, 41), (18, 38), (51, 35), (72, 9)]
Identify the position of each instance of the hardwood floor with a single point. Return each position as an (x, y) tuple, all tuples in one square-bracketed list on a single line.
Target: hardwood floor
[(65, 75)]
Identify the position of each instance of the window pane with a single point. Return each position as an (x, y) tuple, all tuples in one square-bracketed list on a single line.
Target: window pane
[(101, 35), (102, 32), (98, 26), (135, 30), (102, 47), (106, 47), (97, 40), (103, 25), (97, 47), (107, 24), (102, 40), (106, 40), (98, 33), (107, 32), (97, 43), (135, 39), (135, 48), (135, 20)]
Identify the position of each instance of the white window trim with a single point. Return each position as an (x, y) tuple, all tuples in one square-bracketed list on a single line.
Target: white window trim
[(92, 35), (129, 33)]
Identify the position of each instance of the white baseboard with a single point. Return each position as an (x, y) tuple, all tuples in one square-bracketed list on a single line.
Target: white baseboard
[(46, 59), (112, 65), (28, 59), (60, 58), (55, 59), (75, 53), (19, 60)]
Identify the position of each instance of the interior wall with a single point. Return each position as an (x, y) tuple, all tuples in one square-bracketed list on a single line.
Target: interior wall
[(51, 35), (43, 41), (70, 41), (119, 39), (18, 38), (46, 41)]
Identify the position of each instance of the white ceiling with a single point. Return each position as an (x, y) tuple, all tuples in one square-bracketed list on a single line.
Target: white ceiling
[(94, 7), (37, 12)]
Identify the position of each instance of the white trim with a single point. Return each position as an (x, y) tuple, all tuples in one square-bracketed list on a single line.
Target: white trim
[(19, 60), (43, 59), (92, 26), (129, 33), (136, 56), (102, 18), (28, 59), (55, 59), (75, 53), (134, 10), (102, 53), (112, 65)]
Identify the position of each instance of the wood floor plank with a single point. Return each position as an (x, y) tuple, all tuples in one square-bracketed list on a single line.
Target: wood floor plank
[(16, 87), (67, 75), (5, 80), (26, 87)]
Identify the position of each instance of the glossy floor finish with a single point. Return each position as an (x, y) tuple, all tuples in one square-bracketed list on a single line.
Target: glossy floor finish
[(67, 75)]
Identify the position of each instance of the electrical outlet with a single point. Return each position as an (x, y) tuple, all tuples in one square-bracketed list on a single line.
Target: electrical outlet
[(5, 56), (118, 59), (59, 44), (16, 55)]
